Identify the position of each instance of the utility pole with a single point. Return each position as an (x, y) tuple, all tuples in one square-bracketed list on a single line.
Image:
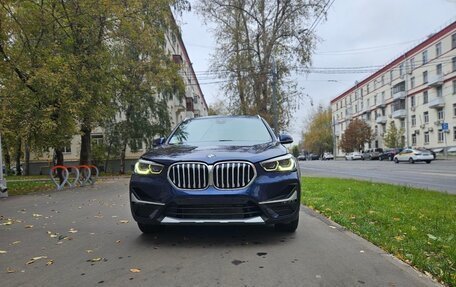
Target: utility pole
[(274, 97), (3, 188)]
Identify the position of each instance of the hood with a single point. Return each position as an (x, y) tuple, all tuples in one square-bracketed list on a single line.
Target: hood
[(168, 154)]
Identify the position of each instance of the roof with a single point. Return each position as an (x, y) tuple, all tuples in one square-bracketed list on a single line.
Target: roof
[(399, 59)]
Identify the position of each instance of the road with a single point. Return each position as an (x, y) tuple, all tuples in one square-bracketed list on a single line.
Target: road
[(86, 237), (440, 175)]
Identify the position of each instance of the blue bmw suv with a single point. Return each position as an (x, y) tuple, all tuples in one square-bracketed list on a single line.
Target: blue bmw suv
[(217, 170)]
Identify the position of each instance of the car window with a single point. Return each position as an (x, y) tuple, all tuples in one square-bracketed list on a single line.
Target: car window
[(223, 131)]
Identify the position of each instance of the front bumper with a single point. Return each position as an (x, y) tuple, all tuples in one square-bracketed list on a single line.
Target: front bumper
[(272, 198)]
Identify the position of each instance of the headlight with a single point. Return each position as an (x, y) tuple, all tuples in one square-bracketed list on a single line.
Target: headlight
[(281, 163), (145, 167)]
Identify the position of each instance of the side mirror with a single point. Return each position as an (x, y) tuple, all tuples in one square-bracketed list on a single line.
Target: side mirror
[(158, 142), (285, 139)]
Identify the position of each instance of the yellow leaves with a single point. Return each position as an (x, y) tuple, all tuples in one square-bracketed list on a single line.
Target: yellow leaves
[(89, 250), (72, 230), (96, 259), (399, 237), (37, 215), (16, 242), (50, 262), (123, 221), (3, 252), (34, 259), (10, 270), (29, 226), (135, 270)]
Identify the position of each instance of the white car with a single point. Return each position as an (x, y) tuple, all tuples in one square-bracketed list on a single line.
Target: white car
[(413, 155), (354, 156), (327, 156)]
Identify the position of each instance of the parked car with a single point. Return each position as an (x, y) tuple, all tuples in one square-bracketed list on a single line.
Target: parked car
[(413, 155), (427, 150), (388, 154), (313, 156), (217, 170), (327, 156), (354, 156), (302, 157), (372, 153)]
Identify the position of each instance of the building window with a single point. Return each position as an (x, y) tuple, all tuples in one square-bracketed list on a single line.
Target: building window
[(368, 100), (412, 64), (412, 82), (136, 145), (375, 100), (413, 139), (438, 69), (454, 110), (453, 61), (425, 97), (67, 149), (440, 136), (403, 124), (454, 87), (426, 117), (454, 133), (401, 69), (367, 88), (413, 120), (426, 137), (425, 57), (453, 41), (383, 80), (440, 114), (97, 139), (425, 77), (412, 101), (391, 76), (438, 49), (439, 91)]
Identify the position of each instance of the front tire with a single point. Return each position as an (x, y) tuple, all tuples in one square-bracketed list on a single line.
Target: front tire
[(428, 161), (150, 228), (396, 160), (287, 227), (411, 160)]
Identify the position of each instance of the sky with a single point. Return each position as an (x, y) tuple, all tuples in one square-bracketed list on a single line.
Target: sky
[(355, 33)]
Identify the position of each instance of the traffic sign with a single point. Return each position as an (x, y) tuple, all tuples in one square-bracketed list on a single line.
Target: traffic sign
[(444, 127)]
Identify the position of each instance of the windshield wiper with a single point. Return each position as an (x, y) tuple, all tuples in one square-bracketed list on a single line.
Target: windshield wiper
[(225, 140)]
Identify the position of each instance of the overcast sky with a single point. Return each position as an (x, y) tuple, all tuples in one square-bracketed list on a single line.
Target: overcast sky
[(356, 33)]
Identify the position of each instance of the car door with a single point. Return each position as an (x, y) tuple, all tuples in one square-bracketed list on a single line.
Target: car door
[(404, 155)]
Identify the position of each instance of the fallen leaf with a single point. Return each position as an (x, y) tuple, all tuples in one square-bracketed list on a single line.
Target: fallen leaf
[(89, 251), (37, 215), (95, 259), (50, 262), (34, 259), (10, 270), (432, 237), (117, 241), (29, 226), (72, 230), (3, 252), (8, 223), (135, 270), (16, 242), (123, 221), (399, 237)]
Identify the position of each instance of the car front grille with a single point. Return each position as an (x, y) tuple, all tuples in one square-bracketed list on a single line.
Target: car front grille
[(192, 175), (213, 211), (229, 175)]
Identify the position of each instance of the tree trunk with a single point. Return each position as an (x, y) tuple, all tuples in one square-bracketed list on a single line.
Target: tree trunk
[(122, 158), (18, 156), (58, 160), (27, 158), (85, 155), (108, 155)]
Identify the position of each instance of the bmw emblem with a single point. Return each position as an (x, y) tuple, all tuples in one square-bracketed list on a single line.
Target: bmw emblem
[(211, 155)]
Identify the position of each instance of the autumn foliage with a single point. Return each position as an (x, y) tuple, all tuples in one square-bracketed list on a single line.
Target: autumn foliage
[(356, 135)]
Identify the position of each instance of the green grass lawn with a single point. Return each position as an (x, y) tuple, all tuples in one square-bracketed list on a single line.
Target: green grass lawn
[(28, 186), (415, 225)]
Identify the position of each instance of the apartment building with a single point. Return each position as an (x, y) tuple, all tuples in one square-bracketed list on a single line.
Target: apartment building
[(192, 105), (416, 90)]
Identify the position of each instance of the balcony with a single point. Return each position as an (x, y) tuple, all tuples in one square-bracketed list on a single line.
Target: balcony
[(381, 120), (435, 80), (437, 103), (399, 114), (399, 95), (381, 103)]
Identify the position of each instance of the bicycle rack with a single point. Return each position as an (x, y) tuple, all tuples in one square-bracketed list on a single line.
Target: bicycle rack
[(54, 176)]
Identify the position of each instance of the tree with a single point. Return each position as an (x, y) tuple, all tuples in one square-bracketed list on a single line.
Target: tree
[(295, 150), (250, 36), (393, 136), (218, 108), (319, 138), (356, 135)]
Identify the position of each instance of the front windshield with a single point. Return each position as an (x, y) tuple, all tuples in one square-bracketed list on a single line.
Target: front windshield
[(224, 131)]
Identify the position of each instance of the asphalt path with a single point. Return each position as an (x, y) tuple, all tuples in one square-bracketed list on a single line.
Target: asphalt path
[(87, 237), (440, 175)]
